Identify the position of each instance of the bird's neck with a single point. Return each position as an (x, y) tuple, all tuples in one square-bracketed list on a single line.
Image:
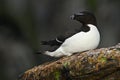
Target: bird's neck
[(85, 28)]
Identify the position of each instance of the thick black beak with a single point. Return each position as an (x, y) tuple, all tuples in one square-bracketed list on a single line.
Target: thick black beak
[(76, 15), (79, 14)]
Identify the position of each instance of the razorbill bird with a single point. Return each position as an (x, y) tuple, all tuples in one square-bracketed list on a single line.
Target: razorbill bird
[(86, 38)]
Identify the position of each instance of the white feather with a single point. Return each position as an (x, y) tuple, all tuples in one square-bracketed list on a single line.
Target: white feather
[(79, 42)]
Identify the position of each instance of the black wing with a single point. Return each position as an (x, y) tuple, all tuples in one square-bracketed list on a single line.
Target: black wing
[(59, 40), (51, 43)]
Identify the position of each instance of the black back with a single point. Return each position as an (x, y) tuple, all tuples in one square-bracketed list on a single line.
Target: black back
[(84, 17)]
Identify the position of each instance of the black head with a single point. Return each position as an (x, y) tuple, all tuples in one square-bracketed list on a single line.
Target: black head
[(85, 17)]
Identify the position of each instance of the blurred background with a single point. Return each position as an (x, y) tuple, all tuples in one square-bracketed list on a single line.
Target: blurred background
[(25, 23)]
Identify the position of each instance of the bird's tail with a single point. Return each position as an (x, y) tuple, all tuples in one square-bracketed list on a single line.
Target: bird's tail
[(57, 53), (53, 54)]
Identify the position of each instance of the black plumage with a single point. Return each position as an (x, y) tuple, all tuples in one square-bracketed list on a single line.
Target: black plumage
[(84, 17)]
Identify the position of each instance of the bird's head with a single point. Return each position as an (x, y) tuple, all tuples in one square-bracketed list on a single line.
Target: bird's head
[(85, 17)]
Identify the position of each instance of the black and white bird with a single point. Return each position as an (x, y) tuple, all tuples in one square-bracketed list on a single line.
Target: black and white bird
[(86, 38)]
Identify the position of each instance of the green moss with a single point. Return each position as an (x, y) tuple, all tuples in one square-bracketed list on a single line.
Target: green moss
[(118, 49), (57, 75), (103, 60), (66, 64)]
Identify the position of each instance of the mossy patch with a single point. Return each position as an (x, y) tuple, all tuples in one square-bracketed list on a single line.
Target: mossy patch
[(57, 75), (103, 60), (66, 64)]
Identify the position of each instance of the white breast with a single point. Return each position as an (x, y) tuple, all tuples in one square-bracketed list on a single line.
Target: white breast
[(79, 42), (82, 41)]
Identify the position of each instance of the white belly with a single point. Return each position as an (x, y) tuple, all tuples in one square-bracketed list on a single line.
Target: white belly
[(79, 42), (82, 41)]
